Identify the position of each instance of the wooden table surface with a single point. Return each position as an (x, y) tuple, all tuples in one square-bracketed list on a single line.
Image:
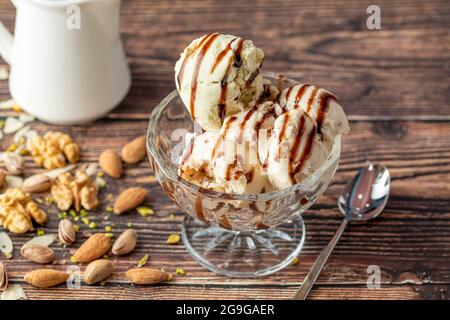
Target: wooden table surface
[(394, 84)]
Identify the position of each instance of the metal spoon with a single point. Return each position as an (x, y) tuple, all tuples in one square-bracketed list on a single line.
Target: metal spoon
[(363, 198)]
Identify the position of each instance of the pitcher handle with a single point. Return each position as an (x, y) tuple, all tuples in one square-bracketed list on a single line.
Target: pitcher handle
[(6, 39)]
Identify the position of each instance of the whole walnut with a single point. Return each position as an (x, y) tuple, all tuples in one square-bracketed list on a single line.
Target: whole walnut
[(17, 210)]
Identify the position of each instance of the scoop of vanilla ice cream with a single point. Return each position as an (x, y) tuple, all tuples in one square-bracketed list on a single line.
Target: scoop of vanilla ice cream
[(320, 105), (295, 150), (218, 75), (218, 164)]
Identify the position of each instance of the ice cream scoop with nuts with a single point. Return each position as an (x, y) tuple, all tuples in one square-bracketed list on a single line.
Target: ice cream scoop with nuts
[(257, 137)]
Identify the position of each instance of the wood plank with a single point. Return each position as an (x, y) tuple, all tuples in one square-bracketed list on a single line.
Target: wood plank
[(399, 70), (205, 292)]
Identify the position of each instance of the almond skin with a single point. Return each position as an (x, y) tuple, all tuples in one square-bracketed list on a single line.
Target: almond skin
[(111, 163), (93, 248), (46, 278), (37, 253), (134, 151), (37, 183), (129, 199), (97, 271), (125, 243), (146, 275)]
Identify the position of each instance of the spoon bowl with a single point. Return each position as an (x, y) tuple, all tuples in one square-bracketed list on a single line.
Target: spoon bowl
[(366, 195)]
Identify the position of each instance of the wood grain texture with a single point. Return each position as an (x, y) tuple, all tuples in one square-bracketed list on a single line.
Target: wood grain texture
[(400, 72)]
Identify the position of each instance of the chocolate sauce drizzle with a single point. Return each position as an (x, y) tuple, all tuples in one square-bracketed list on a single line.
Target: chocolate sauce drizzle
[(247, 117), (188, 57), (198, 63), (311, 99)]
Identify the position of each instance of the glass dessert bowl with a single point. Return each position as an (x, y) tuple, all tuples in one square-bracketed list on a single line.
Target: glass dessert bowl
[(235, 235)]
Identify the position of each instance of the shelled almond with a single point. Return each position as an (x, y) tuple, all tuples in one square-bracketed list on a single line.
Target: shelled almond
[(46, 278), (111, 163), (147, 275), (134, 151), (129, 199), (93, 248)]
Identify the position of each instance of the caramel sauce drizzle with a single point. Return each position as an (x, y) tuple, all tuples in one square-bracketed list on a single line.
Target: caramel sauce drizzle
[(201, 54)]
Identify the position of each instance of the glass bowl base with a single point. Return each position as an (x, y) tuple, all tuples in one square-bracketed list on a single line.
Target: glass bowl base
[(244, 254)]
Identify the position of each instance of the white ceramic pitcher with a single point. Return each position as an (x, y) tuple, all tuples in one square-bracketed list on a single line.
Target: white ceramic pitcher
[(67, 61)]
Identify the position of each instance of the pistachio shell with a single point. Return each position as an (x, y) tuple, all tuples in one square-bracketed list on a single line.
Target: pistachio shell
[(37, 253), (97, 271), (125, 243)]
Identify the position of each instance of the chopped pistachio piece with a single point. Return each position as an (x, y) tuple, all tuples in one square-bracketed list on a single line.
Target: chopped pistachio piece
[(143, 261), (83, 213), (109, 235), (109, 209), (173, 239), (100, 174), (145, 211), (76, 227), (295, 261), (180, 271), (130, 225), (12, 147), (85, 221), (105, 256), (169, 277), (17, 108), (40, 232), (72, 213), (73, 259), (92, 225), (108, 229)]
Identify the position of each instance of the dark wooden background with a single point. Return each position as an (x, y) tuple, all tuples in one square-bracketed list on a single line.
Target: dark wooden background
[(395, 86)]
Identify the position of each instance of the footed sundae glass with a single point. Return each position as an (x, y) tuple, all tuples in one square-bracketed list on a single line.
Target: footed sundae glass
[(234, 235)]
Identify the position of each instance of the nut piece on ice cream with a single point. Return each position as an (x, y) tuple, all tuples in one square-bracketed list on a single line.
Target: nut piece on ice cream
[(218, 75), (296, 149), (320, 105), (212, 162)]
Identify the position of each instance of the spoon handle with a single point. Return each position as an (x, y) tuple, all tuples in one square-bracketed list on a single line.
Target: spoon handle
[(319, 264)]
